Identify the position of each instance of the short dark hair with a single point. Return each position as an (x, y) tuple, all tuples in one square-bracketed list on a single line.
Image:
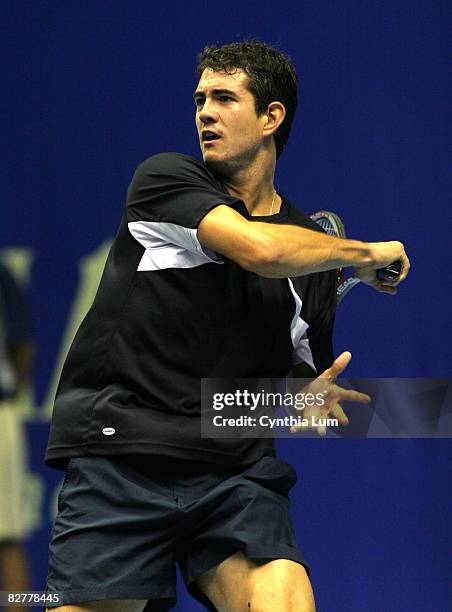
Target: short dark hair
[(271, 77)]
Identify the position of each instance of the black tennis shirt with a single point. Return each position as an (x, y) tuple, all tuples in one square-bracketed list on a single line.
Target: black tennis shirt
[(169, 312)]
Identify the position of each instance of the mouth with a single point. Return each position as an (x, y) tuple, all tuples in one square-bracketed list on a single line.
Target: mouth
[(208, 136)]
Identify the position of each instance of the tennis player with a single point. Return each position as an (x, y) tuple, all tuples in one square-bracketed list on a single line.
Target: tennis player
[(212, 274)]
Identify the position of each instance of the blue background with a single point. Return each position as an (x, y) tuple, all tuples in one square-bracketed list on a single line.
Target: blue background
[(91, 89)]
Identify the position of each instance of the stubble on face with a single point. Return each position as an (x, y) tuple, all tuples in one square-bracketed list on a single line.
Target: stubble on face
[(226, 106)]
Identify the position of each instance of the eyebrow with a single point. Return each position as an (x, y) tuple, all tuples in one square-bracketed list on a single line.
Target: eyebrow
[(216, 92)]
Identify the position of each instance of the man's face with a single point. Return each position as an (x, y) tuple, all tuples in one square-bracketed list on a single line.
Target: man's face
[(230, 132)]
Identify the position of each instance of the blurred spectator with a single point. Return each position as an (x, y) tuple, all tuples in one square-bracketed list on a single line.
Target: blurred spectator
[(16, 352)]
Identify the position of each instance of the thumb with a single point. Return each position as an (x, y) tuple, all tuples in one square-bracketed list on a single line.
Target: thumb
[(338, 365)]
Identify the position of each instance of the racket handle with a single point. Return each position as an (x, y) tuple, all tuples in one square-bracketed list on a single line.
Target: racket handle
[(390, 273)]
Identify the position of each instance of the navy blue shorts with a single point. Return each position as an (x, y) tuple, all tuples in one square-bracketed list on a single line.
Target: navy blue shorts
[(123, 524)]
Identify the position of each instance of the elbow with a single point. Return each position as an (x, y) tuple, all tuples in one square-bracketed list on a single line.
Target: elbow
[(263, 258)]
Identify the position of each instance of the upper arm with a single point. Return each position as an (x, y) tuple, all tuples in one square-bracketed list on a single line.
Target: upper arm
[(170, 196), (226, 231)]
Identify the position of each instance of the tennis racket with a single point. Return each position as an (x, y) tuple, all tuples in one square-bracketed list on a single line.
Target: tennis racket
[(332, 225)]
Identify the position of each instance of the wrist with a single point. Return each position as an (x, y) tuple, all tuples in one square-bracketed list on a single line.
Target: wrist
[(356, 253)]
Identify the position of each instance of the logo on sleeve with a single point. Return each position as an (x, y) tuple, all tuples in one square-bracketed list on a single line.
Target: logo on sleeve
[(108, 431)]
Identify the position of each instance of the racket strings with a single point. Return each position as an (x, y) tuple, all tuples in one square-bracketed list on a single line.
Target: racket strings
[(333, 226)]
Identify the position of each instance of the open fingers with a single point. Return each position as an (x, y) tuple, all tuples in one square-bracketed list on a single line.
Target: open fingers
[(321, 430), (338, 366), (350, 395), (338, 413)]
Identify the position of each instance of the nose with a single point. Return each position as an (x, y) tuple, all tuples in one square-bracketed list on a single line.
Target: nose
[(208, 114)]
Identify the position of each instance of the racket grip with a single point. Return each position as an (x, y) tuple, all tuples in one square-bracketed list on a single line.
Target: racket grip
[(391, 272)]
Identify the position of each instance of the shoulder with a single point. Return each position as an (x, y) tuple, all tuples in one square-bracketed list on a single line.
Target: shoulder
[(168, 159), (177, 166)]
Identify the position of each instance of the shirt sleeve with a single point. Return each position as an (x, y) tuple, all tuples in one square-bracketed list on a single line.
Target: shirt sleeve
[(168, 197)]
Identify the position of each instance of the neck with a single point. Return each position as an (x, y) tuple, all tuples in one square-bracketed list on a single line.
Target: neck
[(255, 186)]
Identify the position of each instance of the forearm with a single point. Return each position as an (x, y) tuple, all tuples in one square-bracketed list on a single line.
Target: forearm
[(296, 251), (280, 251)]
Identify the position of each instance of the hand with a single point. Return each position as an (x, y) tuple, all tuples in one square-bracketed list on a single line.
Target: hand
[(332, 395), (383, 254)]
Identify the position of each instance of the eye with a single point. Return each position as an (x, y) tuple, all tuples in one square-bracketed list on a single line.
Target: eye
[(199, 102), (225, 98)]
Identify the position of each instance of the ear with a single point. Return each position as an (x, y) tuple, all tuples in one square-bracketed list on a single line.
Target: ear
[(274, 117)]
